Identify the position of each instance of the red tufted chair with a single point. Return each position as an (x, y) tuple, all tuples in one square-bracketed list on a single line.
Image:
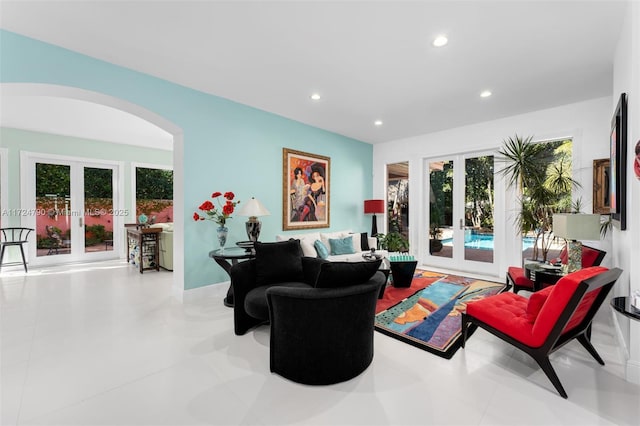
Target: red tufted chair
[(516, 275), (548, 319)]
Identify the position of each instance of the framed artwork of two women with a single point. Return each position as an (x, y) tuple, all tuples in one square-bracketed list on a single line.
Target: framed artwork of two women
[(305, 190)]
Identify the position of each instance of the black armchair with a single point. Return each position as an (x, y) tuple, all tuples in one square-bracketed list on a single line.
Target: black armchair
[(250, 300), (321, 336)]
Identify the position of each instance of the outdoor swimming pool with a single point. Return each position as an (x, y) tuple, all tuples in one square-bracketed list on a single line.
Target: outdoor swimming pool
[(485, 241)]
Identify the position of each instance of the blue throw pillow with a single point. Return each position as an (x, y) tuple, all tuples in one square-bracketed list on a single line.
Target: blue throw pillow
[(342, 245), (321, 249)]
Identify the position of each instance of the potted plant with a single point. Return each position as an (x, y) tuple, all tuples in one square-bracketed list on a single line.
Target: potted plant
[(541, 174), (393, 241)]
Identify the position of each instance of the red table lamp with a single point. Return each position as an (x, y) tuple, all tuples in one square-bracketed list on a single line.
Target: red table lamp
[(373, 207)]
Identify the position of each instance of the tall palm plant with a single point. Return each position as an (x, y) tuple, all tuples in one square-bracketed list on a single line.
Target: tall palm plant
[(542, 178)]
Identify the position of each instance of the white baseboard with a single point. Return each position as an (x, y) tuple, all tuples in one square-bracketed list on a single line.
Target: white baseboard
[(632, 372), (622, 346), (632, 368)]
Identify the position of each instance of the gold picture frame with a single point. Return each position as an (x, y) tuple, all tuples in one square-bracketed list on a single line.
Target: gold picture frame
[(305, 190), (601, 182)]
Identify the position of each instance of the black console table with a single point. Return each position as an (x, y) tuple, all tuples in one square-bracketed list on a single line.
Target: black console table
[(623, 305)]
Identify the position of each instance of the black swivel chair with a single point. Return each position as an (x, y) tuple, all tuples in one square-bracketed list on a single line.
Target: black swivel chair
[(322, 336), (14, 237)]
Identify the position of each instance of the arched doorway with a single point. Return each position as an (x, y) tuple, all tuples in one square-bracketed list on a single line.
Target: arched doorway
[(66, 92)]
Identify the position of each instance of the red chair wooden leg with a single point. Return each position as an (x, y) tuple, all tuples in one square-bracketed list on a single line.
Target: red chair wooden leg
[(463, 318), (546, 366), (586, 343)]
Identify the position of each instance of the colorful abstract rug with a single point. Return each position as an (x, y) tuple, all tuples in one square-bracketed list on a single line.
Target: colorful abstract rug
[(427, 314)]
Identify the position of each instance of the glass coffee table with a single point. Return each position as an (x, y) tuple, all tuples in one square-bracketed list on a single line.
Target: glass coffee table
[(384, 267)]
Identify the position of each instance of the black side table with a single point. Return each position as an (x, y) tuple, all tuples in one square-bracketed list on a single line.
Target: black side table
[(226, 259), (540, 274), (623, 305), (402, 272)]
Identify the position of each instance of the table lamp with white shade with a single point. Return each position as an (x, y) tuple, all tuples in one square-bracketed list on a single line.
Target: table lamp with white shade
[(573, 227), (254, 209)]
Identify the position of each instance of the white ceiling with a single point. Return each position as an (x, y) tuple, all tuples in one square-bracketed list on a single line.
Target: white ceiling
[(368, 59), (71, 117)]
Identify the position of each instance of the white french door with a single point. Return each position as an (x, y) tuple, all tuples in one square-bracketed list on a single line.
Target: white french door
[(461, 217), (72, 205)]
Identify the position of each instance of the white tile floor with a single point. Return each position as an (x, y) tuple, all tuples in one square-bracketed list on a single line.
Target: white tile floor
[(103, 344)]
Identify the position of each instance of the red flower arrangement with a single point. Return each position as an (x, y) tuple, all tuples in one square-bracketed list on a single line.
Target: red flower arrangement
[(218, 215)]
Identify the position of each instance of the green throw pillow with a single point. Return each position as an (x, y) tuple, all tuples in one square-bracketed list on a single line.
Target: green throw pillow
[(321, 249), (342, 245)]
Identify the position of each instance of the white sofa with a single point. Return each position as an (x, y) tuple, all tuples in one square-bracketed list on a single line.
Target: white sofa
[(307, 241), (166, 245)]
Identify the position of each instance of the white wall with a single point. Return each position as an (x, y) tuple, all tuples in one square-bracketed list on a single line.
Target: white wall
[(626, 247), (587, 123)]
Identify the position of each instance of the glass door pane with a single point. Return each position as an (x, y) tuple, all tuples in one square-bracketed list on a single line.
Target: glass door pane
[(441, 241), (479, 207), (98, 209), (54, 209), (76, 210), (461, 213), (154, 194), (398, 198)]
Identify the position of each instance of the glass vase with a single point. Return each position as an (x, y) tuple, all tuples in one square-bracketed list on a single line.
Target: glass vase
[(221, 233)]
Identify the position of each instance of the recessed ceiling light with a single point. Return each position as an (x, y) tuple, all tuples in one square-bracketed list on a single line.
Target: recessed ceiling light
[(440, 41), (485, 94), (315, 96), (378, 123)]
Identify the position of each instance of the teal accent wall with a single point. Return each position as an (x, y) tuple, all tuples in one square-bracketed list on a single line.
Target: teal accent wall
[(16, 140), (227, 146)]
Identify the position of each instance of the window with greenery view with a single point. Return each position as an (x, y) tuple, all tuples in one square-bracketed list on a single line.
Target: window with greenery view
[(542, 174), (154, 194)]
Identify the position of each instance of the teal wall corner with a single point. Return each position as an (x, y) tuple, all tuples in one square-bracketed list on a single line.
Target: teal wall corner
[(226, 146)]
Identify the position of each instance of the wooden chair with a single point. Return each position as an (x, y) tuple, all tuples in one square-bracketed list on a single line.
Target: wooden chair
[(548, 319), (517, 278), (14, 237)]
